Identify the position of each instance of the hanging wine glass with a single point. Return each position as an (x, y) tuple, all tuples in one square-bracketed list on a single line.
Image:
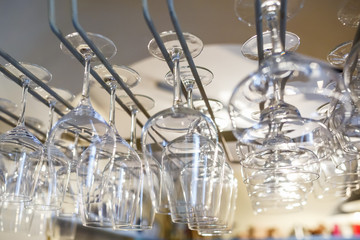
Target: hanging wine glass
[(128, 75), (186, 76), (245, 11), (188, 80), (82, 126), (250, 51), (110, 199), (145, 213), (270, 11), (229, 220), (21, 151), (225, 204), (175, 121), (186, 203), (348, 15), (193, 171), (338, 55), (51, 183), (276, 132)]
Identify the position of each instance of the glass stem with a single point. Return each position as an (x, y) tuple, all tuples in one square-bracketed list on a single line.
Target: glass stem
[(190, 98), (278, 92), (273, 24), (177, 80), (51, 116), (133, 128), (86, 82), (25, 88), (112, 104)]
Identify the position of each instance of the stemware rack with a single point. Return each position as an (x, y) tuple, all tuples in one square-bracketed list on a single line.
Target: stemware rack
[(77, 26)]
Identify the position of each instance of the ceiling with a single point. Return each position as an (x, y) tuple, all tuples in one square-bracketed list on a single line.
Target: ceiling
[(27, 37)]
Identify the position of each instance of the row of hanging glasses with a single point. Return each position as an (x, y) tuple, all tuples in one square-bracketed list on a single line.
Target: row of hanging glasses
[(293, 118), (86, 169)]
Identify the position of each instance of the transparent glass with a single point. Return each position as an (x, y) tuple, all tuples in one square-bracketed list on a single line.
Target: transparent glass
[(145, 212), (81, 128), (244, 9), (21, 152)]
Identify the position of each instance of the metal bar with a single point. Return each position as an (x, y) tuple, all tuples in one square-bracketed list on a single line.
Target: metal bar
[(158, 41), (193, 69), (27, 73), (259, 30), (283, 10), (357, 36), (78, 56), (98, 53)]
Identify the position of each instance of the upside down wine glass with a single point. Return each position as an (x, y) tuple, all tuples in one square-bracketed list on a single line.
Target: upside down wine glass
[(188, 80), (49, 189), (145, 212), (82, 126), (21, 152), (279, 149), (175, 121), (245, 9), (111, 199)]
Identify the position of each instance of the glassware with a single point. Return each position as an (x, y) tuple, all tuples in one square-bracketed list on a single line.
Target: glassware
[(193, 168), (338, 55), (174, 122), (20, 150), (228, 218), (111, 200), (344, 125), (225, 204), (128, 75), (245, 12), (51, 183), (250, 51), (145, 212), (217, 107), (270, 12), (187, 78), (82, 126)]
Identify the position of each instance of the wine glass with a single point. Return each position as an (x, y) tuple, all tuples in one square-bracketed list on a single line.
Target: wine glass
[(145, 213), (173, 122), (128, 75), (21, 151), (187, 78), (82, 126), (244, 9), (250, 51), (193, 168), (225, 204), (270, 11), (111, 200), (338, 55), (228, 218), (51, 183)]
